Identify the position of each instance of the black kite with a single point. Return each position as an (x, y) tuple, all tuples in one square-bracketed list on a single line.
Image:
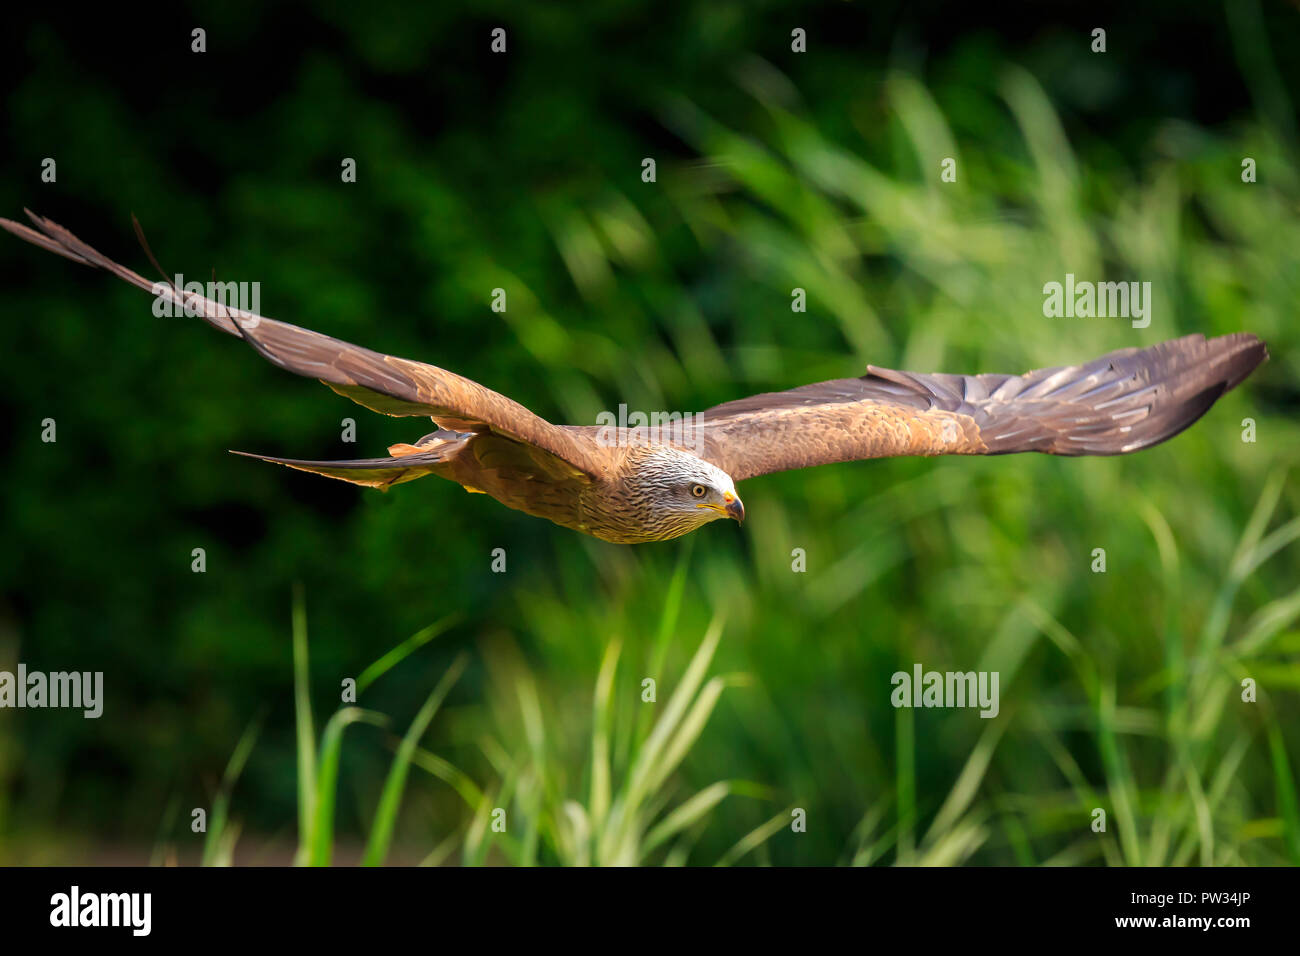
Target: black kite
[(652, 484)]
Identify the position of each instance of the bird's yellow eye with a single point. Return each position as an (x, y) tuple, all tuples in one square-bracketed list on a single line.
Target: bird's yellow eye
[(699, 491)]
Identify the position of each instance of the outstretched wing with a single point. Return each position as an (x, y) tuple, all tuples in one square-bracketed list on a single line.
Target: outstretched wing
[(1122, 402), (383, 383)]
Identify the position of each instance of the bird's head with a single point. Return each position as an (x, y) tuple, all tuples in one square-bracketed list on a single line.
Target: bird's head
[(676, 492)]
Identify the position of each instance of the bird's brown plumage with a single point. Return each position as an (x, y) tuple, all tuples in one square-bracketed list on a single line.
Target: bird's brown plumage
[(1122, 402), (640, 486)]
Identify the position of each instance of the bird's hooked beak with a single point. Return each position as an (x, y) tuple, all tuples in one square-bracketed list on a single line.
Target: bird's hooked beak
[(735, 508)]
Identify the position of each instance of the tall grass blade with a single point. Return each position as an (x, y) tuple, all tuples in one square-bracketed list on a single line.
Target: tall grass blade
[(381, 830)]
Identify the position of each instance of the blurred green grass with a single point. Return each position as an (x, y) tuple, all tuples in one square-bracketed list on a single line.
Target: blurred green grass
[(1119, 690)]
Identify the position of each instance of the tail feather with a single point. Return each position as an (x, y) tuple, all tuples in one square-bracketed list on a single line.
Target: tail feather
[(381, 473)]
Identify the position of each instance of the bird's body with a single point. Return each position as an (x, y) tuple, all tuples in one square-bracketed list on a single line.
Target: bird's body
[(614, 505), (653, 484)]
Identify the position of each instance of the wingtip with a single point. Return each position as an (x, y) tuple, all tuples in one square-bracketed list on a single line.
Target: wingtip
[(1246, 352)]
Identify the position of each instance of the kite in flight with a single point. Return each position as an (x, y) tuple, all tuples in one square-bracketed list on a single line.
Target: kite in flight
[(660, 482)]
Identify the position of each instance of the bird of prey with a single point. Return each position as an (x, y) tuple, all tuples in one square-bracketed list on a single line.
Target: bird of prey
[(633, 485)]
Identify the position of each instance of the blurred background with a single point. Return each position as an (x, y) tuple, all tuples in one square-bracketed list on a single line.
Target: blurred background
[(520, 694)]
